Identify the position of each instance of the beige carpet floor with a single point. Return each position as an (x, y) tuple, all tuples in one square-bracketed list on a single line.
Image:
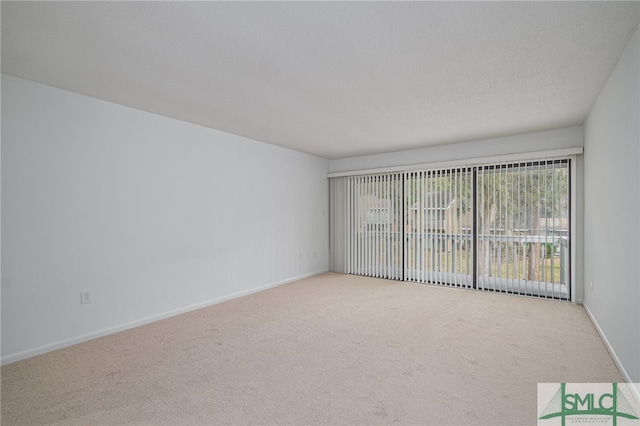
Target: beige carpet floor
[(332, 349)]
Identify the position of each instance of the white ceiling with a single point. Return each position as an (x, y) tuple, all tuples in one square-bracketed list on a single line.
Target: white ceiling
[(330, 78)]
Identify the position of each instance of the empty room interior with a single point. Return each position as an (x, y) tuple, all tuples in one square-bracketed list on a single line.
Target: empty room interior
[(317, 212)]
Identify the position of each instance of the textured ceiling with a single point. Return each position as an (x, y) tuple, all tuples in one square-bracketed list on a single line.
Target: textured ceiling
[(332, 79)]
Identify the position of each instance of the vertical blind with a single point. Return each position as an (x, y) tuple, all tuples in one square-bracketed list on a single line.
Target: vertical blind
[(498, 227), (438, 237), (523, 228), (366, 231)]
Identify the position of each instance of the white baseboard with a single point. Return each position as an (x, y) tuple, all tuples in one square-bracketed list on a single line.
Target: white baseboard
[(634, 386), (8, 359)]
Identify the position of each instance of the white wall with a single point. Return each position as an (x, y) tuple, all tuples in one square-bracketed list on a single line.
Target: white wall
[(612, 210), (153, 215), (542, 141)]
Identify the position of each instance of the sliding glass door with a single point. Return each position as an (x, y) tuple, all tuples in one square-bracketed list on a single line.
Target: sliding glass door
[(497, 227), (439, 219), (523, 228)]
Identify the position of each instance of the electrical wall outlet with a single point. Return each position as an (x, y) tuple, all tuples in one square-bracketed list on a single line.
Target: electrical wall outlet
[(85, 296)]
